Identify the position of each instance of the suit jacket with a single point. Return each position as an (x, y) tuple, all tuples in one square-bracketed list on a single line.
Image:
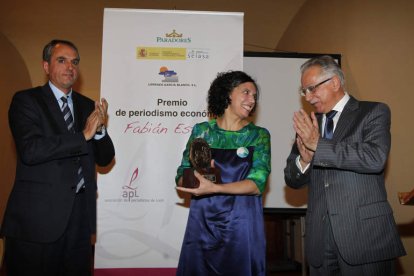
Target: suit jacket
[(48, 157), (346, 183)]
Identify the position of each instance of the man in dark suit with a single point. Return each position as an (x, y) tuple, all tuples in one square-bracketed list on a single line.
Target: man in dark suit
[(350, 228), (51, 211)]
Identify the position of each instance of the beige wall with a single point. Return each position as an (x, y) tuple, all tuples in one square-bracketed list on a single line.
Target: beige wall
[(14, 77), (29, 26), (374, 36)]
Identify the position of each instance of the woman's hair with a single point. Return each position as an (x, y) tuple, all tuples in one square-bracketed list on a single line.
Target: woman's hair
[(218, 98)]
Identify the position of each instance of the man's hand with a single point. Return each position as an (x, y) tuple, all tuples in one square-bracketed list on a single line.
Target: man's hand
[(407, 197), (96, 120), (92, 124), (102, 108), (307, 129), (305, 154)]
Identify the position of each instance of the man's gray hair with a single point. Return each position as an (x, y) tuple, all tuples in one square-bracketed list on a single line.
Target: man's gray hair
[(328, 66)]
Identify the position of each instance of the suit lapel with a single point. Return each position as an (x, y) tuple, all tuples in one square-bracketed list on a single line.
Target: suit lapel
[(52, 109), (319, 117), (77, 110), (347, 115)]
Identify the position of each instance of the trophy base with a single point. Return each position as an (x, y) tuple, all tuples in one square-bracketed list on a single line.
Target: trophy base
[(190, 181)]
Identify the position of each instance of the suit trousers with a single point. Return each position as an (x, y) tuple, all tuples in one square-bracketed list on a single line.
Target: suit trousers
[(70, 255), (334, 265)]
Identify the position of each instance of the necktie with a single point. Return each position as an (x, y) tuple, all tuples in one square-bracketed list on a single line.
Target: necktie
[(329, 125), (67, 114)]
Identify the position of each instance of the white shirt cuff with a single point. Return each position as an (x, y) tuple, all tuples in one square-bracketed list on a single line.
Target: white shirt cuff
[(300, 166)]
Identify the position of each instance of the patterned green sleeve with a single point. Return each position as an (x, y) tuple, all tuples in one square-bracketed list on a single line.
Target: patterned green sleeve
[(185, 161), (261, 160)]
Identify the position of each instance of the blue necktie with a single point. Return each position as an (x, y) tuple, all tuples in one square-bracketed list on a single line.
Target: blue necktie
[(67, 114), (329, 125)]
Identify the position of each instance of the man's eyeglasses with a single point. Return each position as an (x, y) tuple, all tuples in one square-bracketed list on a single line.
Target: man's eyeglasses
[(312, 88)]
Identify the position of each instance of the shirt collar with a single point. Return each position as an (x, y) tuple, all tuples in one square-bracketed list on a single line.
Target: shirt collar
[(58, 93), (341, 104)]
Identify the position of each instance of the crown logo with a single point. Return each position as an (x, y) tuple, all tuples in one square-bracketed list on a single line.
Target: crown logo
[(174, 34)]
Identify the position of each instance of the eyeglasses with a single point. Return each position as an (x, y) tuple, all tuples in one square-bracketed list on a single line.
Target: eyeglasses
[(311, 89)]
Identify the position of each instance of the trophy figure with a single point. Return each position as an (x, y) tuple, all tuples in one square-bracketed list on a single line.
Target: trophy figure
[(200, 159)]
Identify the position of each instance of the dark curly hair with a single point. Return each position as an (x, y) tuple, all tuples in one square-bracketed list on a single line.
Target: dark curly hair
[(218, 98)]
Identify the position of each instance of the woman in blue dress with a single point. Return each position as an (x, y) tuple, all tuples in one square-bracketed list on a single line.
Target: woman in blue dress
[(225, 231)]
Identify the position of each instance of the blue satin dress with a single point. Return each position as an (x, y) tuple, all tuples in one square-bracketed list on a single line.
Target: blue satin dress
[(225, 233)]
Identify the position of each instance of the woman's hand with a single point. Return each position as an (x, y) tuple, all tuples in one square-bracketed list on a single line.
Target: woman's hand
[(206, 186)]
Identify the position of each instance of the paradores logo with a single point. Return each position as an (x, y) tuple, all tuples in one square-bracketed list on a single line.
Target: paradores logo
[(173, 37)]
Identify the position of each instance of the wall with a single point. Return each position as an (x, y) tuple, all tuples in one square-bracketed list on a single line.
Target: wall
[(29, 25), (14, 77), (376, 41)]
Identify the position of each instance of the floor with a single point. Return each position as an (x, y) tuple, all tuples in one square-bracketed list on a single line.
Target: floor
[(285, 273), (280, 273), (275, 273)]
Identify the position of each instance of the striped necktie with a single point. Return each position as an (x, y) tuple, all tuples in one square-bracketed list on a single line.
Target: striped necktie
[(329, 125), (67, 115)]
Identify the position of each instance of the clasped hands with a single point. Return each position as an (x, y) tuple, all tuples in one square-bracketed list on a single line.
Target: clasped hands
[(307, 130), (97, 119), (407, 197)]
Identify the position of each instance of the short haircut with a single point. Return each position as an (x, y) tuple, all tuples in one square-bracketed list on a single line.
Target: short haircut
[(328, 66), (48, 49)]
